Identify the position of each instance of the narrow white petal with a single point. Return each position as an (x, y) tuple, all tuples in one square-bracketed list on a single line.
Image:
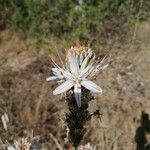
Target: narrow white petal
[(67, 66), (51, 78), (64, 72), (56, 71), (73, 64), (103, 67), (84, 63), (103, 59), (90, 53), (88, 56), (91, 86), (85, 72), (67, 74), (63, 87), (10, 148), (77, 94), (90, 70), (81, 58)]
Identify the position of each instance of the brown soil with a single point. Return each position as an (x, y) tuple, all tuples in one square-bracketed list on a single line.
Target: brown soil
[(27, 98)]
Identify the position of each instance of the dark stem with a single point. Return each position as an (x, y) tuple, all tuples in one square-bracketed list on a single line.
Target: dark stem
[(77, 117)]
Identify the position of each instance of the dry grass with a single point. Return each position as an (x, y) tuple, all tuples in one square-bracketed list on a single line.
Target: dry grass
[(27, 98)]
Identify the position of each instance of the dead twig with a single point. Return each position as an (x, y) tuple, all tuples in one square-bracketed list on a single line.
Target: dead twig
[(56, 141)]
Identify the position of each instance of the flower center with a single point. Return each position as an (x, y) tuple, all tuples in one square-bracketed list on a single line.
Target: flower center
[(78, 81)]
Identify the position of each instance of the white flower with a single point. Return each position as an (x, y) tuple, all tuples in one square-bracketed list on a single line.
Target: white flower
[(28, 143), (80, 65), (22, 143), (10, 148), (88, 146)]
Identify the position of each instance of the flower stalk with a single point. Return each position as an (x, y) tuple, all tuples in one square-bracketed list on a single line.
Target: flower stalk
[(77, 117), (75, 77)]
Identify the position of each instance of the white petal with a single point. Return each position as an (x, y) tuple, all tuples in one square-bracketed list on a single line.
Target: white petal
[(10, 148), (67, 66), (86, 71), (67, 74), (56, 71), (51, 78), (81, 58), (90, 53), (91, 86), (103, 67), (73, 64), (63, 87), (88, 56), (77, 94), (103, 59), (84, 63)]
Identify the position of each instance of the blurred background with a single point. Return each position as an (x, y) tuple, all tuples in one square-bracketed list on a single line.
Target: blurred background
[(30, 30)]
